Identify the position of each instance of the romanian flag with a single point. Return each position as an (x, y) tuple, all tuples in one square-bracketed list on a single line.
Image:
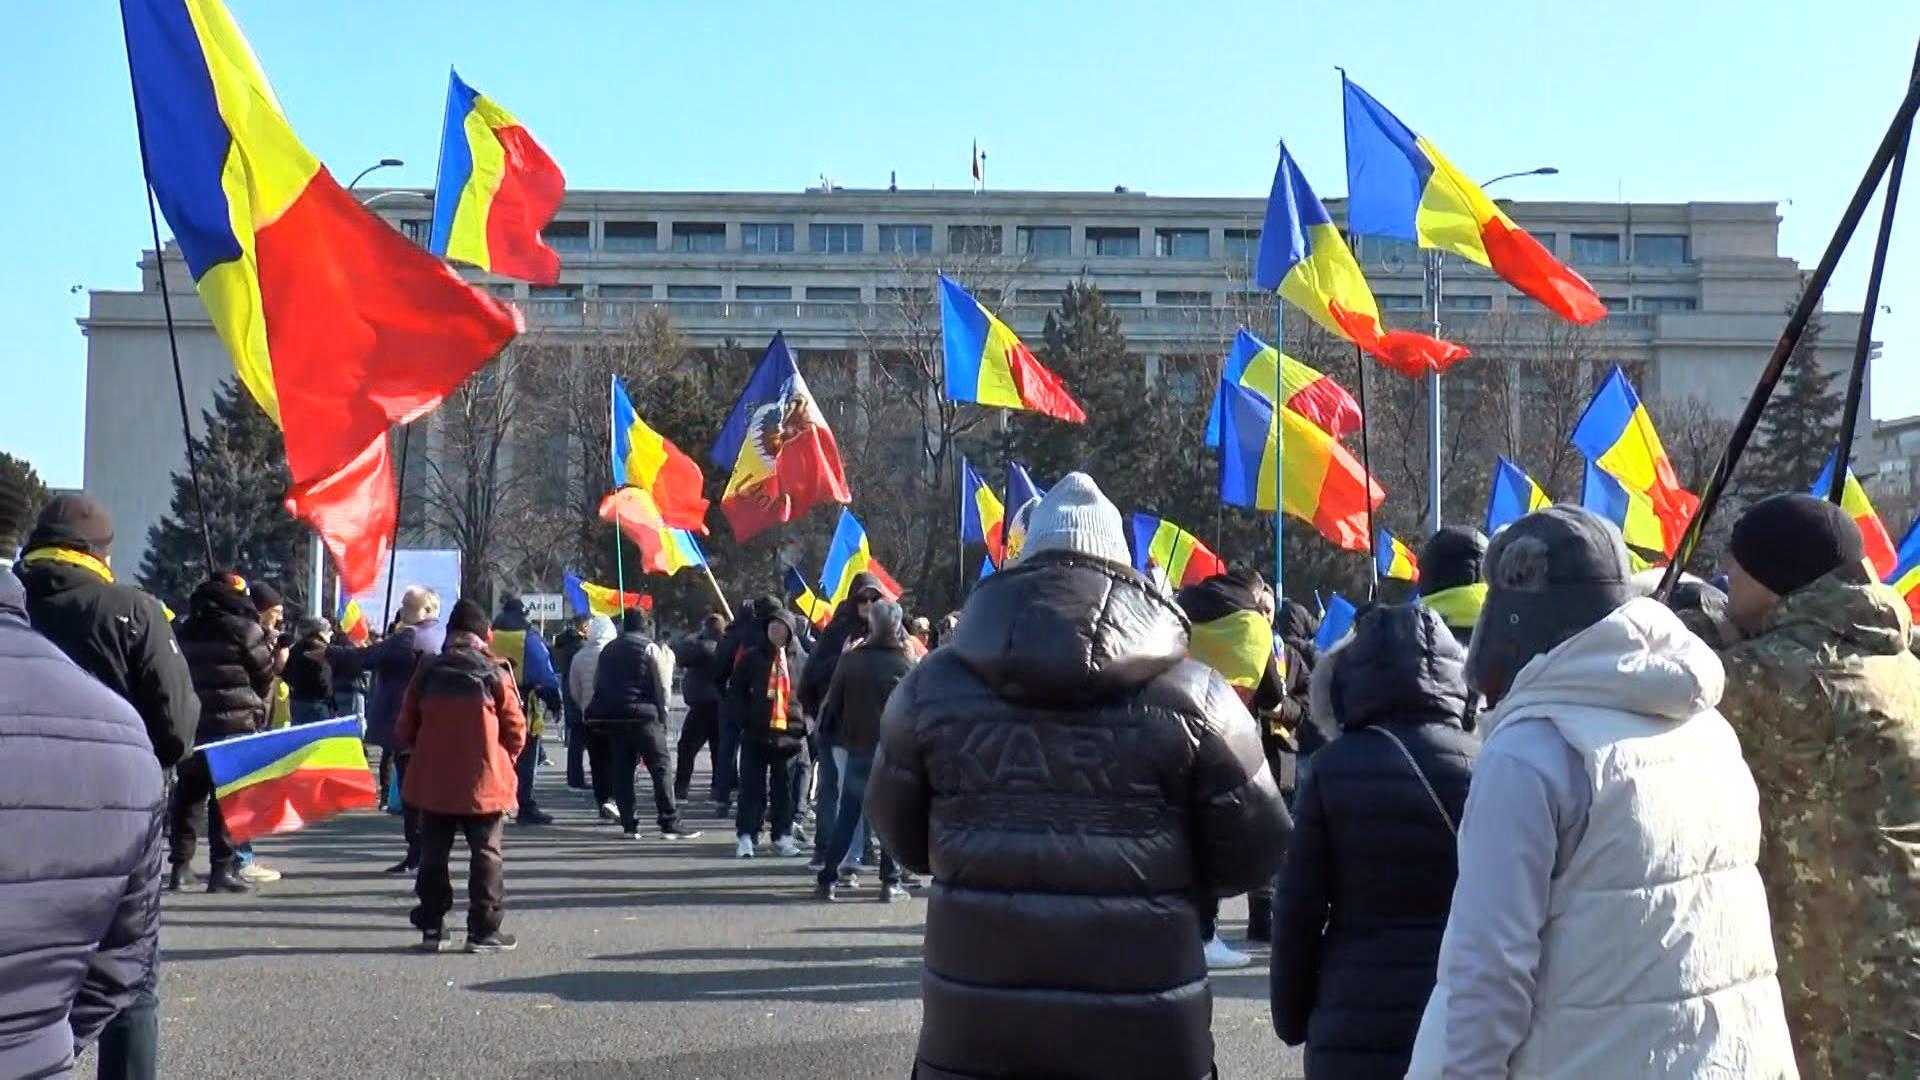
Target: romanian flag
[(848, 555), (1394, 559), (1021, 490), (586, 598), (817, 611), (1616, 434), (1302, 389), (1335, 622), (352, 621), (1161, 543), (983, 519), (1905, 578), (1873, 533), (643, 458), (987, 364), (1304, 257), (1324, 484), (1398, 185), (496, 190), (277, 781), (663, 548), (338, 326), (1513, 497), (1631, 511), (781, 456)]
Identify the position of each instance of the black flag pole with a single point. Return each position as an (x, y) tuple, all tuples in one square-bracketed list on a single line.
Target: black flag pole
[(1366, 467)]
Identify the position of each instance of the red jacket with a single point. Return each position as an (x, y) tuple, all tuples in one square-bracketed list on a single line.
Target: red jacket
[(462, 721)]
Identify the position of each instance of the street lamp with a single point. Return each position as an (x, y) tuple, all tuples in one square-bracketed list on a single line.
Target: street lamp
[(1544, 170), (383, 163)]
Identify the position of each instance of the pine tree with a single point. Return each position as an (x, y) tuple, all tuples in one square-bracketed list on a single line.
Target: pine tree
[(244, 480), (20, 471), (1799, 428), (1084, 345)]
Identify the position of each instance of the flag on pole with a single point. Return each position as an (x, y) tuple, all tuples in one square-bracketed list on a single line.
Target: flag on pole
[(1302, 389), (277, 781), (644, 458), (1304, 257), (987, 363), (1616, 434), (1325, 485), (1873, 533), (586, 598), (352, 621), (663, 548), (1394, 559), (847, 556), (1335, 622), (977, 175), (1399, 185), (339, 327), (1021, 490), (1630, 511), (1905, 578), (817, 611), (495, 191), (1177, 552), (782, 456), (1514, 496), (982, 518)]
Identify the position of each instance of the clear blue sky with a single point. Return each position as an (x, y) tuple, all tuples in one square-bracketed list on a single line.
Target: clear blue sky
[(1643, 99)]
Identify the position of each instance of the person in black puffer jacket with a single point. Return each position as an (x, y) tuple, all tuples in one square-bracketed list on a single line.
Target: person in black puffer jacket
[(698, 657), (1077, 787), (629, 704), (748, 631), (309, 672), (231, 661), (1364, 896)]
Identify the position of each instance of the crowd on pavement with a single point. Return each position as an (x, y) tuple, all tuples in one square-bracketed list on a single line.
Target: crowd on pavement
[(1533, 821)]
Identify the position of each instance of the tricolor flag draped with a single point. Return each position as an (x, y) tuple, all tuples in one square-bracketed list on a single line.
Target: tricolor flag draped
[(352, 622), (1325, 485), (817, 611), (1513, 497), (644, 458), (495, 191), (586, 598), (1631, 511), (1394, 560), (277, 781), (1616, 434), (781, 455), (982, 518), (986, 363), (338, 326), (1398, 185), (663, 548), (848, 555), (1302, 389), (1161, 543), (1905, 578), (1873, 533), (1303, 256)]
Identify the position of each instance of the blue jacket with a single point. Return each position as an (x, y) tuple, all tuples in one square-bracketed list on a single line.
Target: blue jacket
[(391, 662), (79, 851)]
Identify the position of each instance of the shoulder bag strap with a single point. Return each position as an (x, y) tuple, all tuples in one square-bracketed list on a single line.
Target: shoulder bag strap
[(1420, 774)]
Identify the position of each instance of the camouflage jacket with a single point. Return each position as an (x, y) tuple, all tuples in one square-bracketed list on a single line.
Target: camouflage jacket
[(1826, 700)]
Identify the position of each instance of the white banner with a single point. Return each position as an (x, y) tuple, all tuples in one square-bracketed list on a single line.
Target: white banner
[(437, 569)]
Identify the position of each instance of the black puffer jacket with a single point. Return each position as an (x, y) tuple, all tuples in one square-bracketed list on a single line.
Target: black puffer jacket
[(309, 671), (1368, 882), (626, 684), (231, 660), (698, 657), (750, 686), (1074, 784)]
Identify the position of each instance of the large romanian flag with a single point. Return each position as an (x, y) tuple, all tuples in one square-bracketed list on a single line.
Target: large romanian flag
[(1616, 434), (1250, 364), (1873, 532), (496, 190), (1324, 484), (663, 548), (1159, 542), (338, 326), (781, 456), (1399, 185), (987, 363), (644, 458), (277, 781), (1304, 257), (982, 517), (847, 555)]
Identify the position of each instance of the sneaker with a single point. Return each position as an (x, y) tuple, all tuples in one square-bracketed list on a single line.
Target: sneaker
[(609, 812), (257, 873), (890, 894), (912, 881), (1223, 957), (825, 893), (403, 867), (181, 878), (743, 847), (788, 848), (817, 864), (227, 883), (800, 835), (850, 876), (498, 941), (630, 834), (676, 832), (432, 941), (534, 816)]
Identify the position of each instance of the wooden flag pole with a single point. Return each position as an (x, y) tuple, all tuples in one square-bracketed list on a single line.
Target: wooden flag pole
[(707, 567)]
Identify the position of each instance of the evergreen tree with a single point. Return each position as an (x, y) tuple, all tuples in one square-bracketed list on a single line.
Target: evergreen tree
[(1799, 428), (1084, 345), (244, 480), (20, 472)]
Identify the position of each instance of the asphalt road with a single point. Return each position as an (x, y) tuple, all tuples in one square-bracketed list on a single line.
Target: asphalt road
[(648, 959)]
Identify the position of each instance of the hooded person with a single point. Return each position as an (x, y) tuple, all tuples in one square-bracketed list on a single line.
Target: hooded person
[(773, 734), (601, 632), (462, 724), (749, 630), (415, 634), (517, 642), (1608, 919), (698, 657), (1825, 697), (1054, 948), (862, 682), (845, 629), (1369, 876), (1450, 582), (631, 696)]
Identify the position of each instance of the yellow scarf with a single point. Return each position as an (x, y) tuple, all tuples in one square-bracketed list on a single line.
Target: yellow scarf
[(71, 558)]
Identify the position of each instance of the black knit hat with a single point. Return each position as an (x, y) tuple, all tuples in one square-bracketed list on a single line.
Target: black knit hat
[(265, 596), (1788, 542), (1451, 558), (634, 621), (472, 618), (76, 522)]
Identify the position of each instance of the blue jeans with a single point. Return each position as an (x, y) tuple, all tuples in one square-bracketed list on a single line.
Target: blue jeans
[(305, 711), (130, 1043), (853, 770)]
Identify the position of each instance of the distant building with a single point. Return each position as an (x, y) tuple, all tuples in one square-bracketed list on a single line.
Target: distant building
[(1891, 472)]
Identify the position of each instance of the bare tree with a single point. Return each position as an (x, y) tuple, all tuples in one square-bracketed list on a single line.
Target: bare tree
[(471, 486)]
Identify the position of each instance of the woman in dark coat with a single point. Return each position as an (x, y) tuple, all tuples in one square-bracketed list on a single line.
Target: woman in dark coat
[(1364, 895), (773, 730)]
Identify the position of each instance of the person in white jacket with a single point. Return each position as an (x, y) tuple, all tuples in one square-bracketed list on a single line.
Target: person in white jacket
[(1608, 919), (600, 631)]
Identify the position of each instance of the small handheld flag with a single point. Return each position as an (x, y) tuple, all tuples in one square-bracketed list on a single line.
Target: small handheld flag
[(353, 623), (1335, 622), (1394, 559), (1514, 496), (817, 611), (987, 363)]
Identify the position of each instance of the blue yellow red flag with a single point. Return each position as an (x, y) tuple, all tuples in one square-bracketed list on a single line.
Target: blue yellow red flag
[(644, 458), (848, 555), (277, 781), (1616, 434), (1631, 511), (1395, 560), (1874, 539), (1514, 496), (803, 598), (982, 517), (1186, 561), (352, 621), (1905, 578), (1303, 389), (987, 363), (586, 598), (782, 456), (1325, 485), (495, 191), (663, 548)]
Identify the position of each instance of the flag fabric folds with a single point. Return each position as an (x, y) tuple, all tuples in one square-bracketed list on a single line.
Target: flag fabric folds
[(1304, 257), (663, 548), (586, 598), (338, 325), (1185, 560), (1020, 491), (1905, 578), (1325, 484), (982, 518), (277, 781), (986, 363), (644, 458), (1514, 496), (817, 611), (495, 191), (1238, 645), (1873, 532), (1302, 389), (1395, 560), (1631, 511), (351, 620), (848, 555), (1399, 185), (1616, 434), (781, 456), (1335, 621)]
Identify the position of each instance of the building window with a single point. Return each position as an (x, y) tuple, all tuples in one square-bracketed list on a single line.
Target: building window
[(1181, 298), (1040, 297), (1399, 301), (1180, 243), (693, 292), (1044, 241), (763, 292), (766, 237), (626, 292), (1660, 249), (1614, 304), (566, 235), (973, 239), (418, 230), (837, 238), (504, 292), (1596, 249), (1466, 303), (1121, 297), (1546, 239), (1389, 251), (1659, 304), (630, 236), (1113, 243), (553, 292), (1243, 245), (906, 239), (834, 294), (699, 237), (1524, 305)]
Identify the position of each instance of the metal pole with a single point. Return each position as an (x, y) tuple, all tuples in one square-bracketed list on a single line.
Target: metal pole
[(1279, 454), (393, 546), (960, 544), (1366, 466), (1433, 282)]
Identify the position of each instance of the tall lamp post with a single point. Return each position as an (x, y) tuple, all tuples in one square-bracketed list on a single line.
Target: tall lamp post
[(316, 552), (1434, 282)]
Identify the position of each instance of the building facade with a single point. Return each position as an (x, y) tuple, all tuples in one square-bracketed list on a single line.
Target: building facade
[(1697, 292)]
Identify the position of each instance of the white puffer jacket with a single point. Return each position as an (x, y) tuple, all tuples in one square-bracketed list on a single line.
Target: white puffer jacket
[(600, 632)]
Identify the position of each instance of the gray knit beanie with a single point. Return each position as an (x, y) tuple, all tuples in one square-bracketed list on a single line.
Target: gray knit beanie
[(1075, 517), (1550, 575)]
